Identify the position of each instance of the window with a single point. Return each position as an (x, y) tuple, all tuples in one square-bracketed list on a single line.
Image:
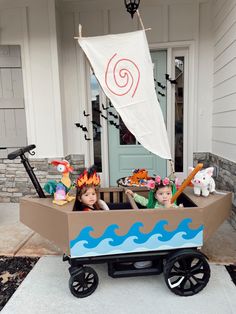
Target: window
[(179, 113), (96, 123), (126, 137)]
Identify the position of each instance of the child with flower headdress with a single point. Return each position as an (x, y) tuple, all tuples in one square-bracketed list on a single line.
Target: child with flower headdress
[(87, 196), (160, 194)]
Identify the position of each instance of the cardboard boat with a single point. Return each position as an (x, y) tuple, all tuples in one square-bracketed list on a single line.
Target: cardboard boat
[(128, 229)]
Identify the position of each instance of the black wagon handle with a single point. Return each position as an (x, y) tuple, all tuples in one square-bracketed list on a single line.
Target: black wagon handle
[(21, 151), (29, 169)]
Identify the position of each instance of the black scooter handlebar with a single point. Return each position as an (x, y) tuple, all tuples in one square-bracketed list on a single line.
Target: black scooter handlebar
[(30, 170), (20, 151)]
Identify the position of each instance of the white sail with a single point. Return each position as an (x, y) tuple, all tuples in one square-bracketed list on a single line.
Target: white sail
[(123, 67)]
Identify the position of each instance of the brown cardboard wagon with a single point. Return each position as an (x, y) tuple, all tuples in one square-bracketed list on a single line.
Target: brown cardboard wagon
[(126, 234)]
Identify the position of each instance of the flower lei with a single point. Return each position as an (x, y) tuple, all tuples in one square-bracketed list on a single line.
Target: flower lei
[(152, 184)]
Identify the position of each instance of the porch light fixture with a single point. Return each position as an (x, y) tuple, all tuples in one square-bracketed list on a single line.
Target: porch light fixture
[(132, 6)]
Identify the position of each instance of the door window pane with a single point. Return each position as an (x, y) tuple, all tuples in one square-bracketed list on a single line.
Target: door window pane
[(179, 113), (96, 123), (126, 137)]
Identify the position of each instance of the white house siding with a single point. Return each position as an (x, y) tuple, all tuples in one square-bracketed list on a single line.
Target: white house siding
[(172, 21), (205, 81), (224, 97), (31, 24)]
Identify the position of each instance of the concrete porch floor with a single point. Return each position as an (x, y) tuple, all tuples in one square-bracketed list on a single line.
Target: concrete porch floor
[(18, 240)]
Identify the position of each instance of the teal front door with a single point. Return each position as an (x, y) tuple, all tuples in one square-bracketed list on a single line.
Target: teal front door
[(125, 153)]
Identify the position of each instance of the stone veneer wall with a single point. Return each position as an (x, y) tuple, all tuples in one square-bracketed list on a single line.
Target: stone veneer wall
[(15, 182), (225, 175)]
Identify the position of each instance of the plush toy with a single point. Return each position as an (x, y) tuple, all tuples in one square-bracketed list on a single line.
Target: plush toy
[(139, 175), (61, 189), (203, 183)]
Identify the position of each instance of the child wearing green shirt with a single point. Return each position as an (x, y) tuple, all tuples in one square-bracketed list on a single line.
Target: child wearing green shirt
[(159, 196)]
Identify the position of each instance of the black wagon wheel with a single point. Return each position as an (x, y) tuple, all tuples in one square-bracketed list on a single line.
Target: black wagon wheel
[(186, 273), (84, 282)]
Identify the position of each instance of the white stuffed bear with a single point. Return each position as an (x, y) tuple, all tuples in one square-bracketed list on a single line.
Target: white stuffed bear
[(203, 182)]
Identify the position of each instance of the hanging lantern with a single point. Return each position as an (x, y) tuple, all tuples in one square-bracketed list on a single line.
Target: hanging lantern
[(132, 6)]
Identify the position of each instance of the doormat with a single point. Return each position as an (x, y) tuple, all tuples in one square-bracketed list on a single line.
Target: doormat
[(232, 271), (13, 271)]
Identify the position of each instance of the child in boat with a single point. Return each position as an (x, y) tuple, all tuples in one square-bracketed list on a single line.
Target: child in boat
[(87, 198), (160, 194)]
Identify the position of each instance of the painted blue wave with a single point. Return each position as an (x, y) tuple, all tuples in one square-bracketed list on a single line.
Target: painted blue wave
[(129, 246), (93, 242), (109, 233), (135, 240), (167, 235)]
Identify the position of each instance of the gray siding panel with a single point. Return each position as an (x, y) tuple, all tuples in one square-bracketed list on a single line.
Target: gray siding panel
[(12, 128), (226, 41), (225, 73), (225, 104), (227, 56), (11, 88), (224, 90), (227, 118), (224, 149), (10, 56)]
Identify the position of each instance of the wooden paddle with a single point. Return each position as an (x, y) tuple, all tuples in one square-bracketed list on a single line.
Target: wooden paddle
[(186, 182)]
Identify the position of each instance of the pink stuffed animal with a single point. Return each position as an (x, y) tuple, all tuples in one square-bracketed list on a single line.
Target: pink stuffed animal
[(203, 182)]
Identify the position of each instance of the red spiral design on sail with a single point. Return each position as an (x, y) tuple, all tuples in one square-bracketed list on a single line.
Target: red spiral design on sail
[(125, 78)]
